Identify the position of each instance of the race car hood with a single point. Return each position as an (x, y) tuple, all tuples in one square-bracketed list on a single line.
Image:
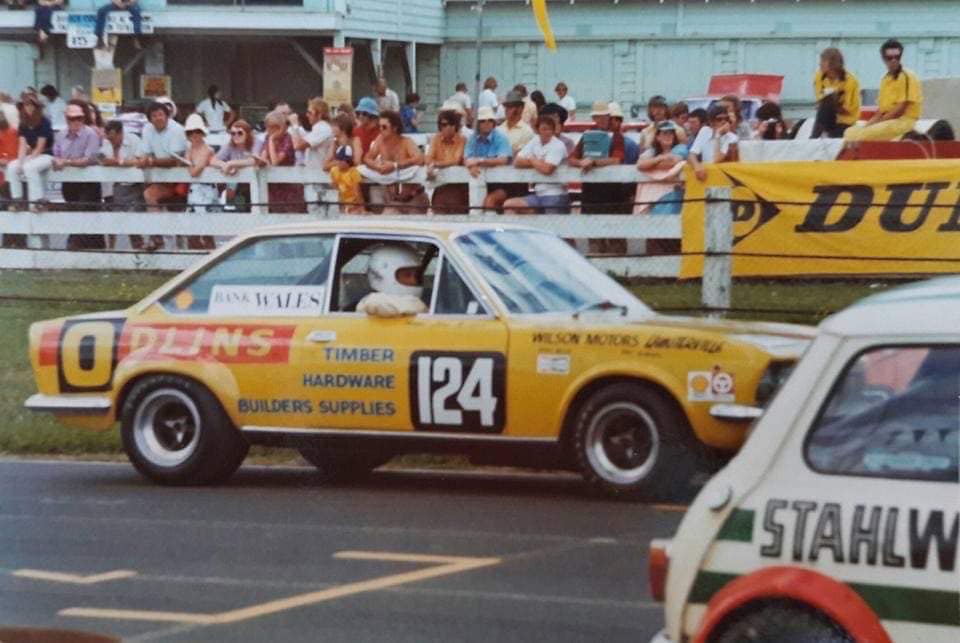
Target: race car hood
[(780, 340)]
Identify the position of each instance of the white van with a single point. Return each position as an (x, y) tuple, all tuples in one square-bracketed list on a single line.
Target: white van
[(839, 519)]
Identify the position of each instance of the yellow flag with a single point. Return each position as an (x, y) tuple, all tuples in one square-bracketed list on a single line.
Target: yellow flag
[(543, 21)]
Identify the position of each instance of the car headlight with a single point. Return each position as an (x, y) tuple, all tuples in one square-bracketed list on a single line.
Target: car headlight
[(773, 378)]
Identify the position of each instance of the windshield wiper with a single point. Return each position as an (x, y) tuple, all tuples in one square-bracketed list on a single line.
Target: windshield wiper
[(603, 304)]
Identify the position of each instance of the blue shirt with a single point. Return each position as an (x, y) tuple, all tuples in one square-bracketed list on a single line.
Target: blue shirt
[(407, 114), (494, 145), (631, 151)]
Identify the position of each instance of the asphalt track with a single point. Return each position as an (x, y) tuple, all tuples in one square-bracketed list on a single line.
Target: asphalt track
[(276, 555)]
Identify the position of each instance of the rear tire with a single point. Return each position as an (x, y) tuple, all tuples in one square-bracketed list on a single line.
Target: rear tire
[(779, 621), (176, 433), (630, 441), (343, 464)]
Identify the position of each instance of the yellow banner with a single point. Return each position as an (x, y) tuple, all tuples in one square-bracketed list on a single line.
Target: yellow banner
[(543, 21), (832, 218)]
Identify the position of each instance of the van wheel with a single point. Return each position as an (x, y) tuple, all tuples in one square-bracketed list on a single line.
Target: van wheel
[(342, 464), (779, 621), (631, 442), (175, 432)]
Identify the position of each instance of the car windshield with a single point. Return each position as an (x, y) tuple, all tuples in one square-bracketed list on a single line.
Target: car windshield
[(536, 272)]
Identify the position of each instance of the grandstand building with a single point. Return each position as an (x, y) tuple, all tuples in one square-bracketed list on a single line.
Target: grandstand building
[(627, 50)]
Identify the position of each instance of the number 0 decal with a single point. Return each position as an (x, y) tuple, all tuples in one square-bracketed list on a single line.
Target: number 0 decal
[(87, 354), (461, 391)]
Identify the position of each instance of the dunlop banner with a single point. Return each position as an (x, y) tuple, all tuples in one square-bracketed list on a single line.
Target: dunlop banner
[(832, 218)]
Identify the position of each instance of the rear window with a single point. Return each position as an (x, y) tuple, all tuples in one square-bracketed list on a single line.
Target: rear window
[(894, 413)]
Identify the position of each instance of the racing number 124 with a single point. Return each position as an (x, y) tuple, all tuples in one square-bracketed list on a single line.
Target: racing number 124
[(459, 390)]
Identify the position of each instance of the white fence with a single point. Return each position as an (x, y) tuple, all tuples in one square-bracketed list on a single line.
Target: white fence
[(636, 229)]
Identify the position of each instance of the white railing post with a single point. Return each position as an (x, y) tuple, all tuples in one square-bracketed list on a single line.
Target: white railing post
[(477, 190), (718, 246), (259, 191)]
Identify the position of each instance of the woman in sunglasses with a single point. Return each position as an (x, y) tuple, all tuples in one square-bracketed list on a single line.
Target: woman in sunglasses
[(446, 150), (715, 143), (241, 151)]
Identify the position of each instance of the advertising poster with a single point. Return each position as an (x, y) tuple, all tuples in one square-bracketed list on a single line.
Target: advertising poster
[(337, 75)]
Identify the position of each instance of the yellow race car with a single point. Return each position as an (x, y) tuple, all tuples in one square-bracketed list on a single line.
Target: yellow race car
[(356, 341)]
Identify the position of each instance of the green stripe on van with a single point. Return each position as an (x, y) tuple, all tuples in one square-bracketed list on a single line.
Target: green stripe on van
[(888, 602), (738, 526)]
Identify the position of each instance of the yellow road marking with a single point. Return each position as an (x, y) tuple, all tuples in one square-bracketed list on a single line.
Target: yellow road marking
[(441, 566), (76, 579)]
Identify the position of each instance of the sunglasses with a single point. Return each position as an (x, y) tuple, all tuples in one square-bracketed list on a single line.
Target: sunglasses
[(238, 132), (891, 57), (722, 117), (488, 120), (74, 118)]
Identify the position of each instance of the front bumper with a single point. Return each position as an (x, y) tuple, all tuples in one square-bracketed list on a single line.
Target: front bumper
[(68, 405)]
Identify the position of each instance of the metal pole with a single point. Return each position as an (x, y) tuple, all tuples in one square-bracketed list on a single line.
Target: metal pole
[(479, 10), (718, 243)]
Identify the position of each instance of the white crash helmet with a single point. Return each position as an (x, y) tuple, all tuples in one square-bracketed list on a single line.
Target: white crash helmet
[(385, 261)]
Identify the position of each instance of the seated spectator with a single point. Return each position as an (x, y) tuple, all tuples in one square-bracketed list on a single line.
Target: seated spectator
[(714, 144), (163, 145), (34, 155), (462, 97), (342, 164), (545, 154), (315, 145), (9, 110), (838, 96), (9, 145), (43, 20), (900, 102), (770, 124), (489, 147), (120, 149), (78, 146), (242, 150), (389, 156), (278, 151), (131, 6), (408, 113), (446, 150), (215, 111), (663, 161), (601, 147), (696, 120), (516, 129), (559, 116), (55, 107)]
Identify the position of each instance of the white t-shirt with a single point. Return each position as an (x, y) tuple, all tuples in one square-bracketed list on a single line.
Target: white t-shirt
[(703, 145), (213, 115), (488, 98), (163, 145), (55, 112), (320, 140), (554, 152), (568, 104), (463, 98)]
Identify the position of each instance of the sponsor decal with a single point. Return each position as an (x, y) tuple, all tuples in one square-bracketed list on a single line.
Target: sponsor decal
[(183, 300), (320, 407), (356, 407), (348, 380), (87, 354), (548, 364), (227, 343), (266, 301), (359, 355), (709, 346), (711, 386), (558, 339), (245, 405), (461, 391)]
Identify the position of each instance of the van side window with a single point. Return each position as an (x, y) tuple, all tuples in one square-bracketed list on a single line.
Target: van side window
[(892, 414)]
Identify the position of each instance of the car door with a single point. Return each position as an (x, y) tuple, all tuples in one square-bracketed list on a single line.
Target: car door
[(443, 370)]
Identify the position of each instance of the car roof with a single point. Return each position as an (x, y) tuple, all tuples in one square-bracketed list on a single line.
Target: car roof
[(386, 225), (930, 307)]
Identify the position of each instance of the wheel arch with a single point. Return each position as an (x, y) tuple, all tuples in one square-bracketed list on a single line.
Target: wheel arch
[(835, 599), (131, 381)]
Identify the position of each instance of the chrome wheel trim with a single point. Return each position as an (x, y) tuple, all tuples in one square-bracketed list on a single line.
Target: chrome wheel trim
[(623, 427), (166, 427)]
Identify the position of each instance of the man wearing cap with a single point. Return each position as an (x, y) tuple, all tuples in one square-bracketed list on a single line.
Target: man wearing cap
[(368, 115), (518, 132), (600, 198), (490, 147), (77, 146)]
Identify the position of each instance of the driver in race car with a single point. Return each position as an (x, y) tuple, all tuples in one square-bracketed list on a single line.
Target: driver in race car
[(396, 278)]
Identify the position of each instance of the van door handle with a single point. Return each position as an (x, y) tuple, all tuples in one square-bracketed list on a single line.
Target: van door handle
[(322, 336)]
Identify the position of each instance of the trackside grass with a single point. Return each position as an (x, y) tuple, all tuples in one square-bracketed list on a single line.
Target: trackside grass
[(28, 296)]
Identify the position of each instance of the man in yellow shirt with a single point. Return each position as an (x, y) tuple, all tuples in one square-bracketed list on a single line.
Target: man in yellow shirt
[(900, 102), (838, 96)]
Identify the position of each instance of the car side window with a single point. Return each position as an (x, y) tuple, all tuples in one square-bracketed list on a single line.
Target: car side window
[(354, 280), (453, 295), (271, 276), (892, 414)]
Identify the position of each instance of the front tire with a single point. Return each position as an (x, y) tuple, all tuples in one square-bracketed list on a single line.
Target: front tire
[(176, 433), (779, 621), (630, 441)]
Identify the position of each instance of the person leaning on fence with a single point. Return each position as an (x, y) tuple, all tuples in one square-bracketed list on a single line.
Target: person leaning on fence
[(516, 129), (658, 111), (315, 145), (120, 149), (242, 150), (662, 163), (78, 146), (900, 102), (278, 151), (838, 96), (696, 120), (163, 142), (559, 115), (715, 143), (34, 155), (545, 153), (130, 6), (600, 147), (446, 150), (391, 163), (342, 163), (489, 147), (368, 117)]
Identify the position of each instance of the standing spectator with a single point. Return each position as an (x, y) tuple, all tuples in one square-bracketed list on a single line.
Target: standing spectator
[(278, 151), (714, 144), (131, 6), (347, 108), (55, 107), (78, 146), (408, 114), (454, 106), (900, 102), (770, 124), (490, 147), (9, 110), (488, 97), (679, 113), (369, 116), (446, 150), (565, 100), (545, 154), (657, 112), (342, 161), (838, 96), (391, 153), (517, 131), (316, 145), (201, 196), (662, 162), (538, 99), (241, 151), (120, 149), (735, 110), (529, 115), (559, 116), (600, 198), (631, 149), (77, 92), (695, 121), (215, 111), (462, 96), (387, 99), (164, 143), (34, 154), (43, 20)]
